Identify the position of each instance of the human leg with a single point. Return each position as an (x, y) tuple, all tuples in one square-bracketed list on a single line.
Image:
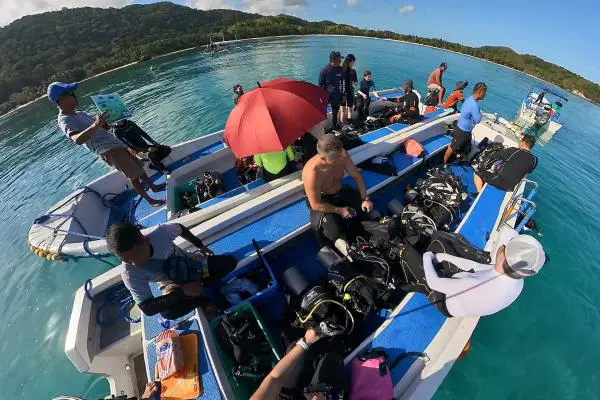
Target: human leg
[(335, 109), (152, 185), (441, 95), (137, 185), (478, 182), (448, 154)]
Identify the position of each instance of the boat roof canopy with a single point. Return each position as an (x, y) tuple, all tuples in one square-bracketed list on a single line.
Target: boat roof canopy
[(550, 90)]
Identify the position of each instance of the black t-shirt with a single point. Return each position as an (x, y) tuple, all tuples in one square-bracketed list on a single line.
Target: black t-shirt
[(365, 86), (408, 101), (512, 165)]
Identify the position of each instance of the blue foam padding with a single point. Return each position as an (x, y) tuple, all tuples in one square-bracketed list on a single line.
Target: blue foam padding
[(152, 326), (432, 114), (265, 230), (229, 180), (412, 329), (369, 177), (232, 193), (465, 173), (379, 133), (209, 382), (397, 126), (402, 160), (196, 155), (433, 144), (483, 217)]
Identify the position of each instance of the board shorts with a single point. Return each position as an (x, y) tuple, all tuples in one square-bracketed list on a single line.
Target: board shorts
[(121, 159), (461, 141), (434, 86)]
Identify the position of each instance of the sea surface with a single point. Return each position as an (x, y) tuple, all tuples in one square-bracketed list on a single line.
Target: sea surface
[(546, 345)]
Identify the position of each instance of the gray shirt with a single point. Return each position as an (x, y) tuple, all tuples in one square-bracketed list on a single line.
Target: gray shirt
[(137, 278), (79, 121)]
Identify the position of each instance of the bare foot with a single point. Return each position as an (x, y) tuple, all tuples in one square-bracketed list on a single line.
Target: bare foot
[(158, 188), (156, 203)]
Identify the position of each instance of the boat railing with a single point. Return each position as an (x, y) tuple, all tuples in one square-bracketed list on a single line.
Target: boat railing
[(521, 207)]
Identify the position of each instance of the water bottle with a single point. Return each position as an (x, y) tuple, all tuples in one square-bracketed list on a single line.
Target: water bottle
[(496, 118)]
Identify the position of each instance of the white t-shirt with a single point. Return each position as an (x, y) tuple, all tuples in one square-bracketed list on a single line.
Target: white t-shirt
[(479, 293), (79, 121), (137, 278)]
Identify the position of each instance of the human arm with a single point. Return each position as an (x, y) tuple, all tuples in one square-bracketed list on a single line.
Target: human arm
[(81, 137), (322, 79), (272, 384), (151, 389), (462, 263), (476, 115), (353, 171), (442, 285)]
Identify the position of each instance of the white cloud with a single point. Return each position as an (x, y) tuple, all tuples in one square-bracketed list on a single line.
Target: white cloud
[(352, 3), (11, 10), (273, 7), (210, 4), (406, 9)]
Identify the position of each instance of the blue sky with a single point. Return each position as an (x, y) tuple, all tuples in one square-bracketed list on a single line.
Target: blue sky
[(563, 32)]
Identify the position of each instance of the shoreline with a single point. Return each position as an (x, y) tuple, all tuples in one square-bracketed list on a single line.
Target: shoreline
[(10, 112)]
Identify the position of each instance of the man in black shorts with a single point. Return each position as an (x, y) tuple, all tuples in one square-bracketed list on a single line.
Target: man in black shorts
[(331, 80), (470, 115), (509, 167)]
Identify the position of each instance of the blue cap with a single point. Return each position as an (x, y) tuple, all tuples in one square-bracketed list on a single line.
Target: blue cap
[(57, 89)]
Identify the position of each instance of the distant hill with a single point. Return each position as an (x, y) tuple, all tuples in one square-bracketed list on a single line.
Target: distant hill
[(73, 44)]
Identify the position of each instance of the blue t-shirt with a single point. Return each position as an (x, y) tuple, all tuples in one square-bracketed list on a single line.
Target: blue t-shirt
[(331, 79), (470, 115), (366, 86)]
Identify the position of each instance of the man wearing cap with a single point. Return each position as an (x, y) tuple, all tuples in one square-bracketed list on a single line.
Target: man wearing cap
[(434, 82), (331, 79), (83, 129), (409, 105), (484, 289)]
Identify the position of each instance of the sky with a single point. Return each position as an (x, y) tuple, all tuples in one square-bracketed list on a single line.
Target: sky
[(564, 32)]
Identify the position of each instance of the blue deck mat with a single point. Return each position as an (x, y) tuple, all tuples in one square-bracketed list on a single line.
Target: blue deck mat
[(152, 326), (432, 145), (209, 382), (196, 155), (232, 193), (374, 135), (483, 217), (411, 330)]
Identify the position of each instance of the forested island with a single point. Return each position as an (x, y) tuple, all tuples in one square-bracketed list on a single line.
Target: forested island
[(74, 44)]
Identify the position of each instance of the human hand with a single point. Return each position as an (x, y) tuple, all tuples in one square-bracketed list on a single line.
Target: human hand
[(101, 119), (311, 336), (151, 389), (346, 212), (193, 289), (367, 206)]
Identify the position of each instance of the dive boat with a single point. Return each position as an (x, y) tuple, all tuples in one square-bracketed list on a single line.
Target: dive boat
[(278, 222), (75, 226)]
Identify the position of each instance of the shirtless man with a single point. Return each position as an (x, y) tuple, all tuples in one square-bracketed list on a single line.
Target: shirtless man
[(335, 209)]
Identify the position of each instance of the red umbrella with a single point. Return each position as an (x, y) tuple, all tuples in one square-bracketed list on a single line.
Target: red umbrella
[(272, 116)]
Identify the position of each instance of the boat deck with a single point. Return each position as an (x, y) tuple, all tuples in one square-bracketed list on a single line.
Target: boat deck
[(424, 323)]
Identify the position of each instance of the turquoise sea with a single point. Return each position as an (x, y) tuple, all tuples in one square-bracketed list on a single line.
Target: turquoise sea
[(544, 346)]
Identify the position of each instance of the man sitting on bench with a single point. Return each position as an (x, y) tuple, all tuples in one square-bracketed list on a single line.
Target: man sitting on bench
[(509, 166), (335, 209), (155, 258)]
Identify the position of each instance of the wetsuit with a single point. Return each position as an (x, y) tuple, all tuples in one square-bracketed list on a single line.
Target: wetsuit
[(332, 226), (331, 80)]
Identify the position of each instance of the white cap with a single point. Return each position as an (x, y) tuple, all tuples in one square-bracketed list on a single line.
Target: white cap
[(525, 255)]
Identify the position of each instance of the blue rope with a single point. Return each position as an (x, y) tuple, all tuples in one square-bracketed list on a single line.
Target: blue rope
[(117, 295)]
